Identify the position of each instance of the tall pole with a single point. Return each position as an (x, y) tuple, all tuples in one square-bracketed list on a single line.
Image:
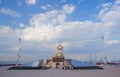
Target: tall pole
[(19, 48), (63, 60), (90, 58), (104, 57)]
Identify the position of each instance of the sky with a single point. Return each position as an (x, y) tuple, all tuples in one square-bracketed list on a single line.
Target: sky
[(84, 27)]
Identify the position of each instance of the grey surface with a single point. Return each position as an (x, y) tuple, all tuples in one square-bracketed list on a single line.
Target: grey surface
[(108, 71)]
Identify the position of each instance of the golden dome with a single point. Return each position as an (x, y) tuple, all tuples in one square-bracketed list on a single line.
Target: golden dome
[(59, 47), (59, 54)]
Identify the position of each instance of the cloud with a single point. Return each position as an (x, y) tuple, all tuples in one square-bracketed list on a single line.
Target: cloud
[(9, 39), (19, 2), (46, 7), (42, 19), (43, 25), (79, 38), (68, 8), (110, 42), (76, 36), (107, 5), (31, 2), (109, 11), (21, 25), (9, 12), (110, 17), (117, 2), (79, 1), (43, 33), (55, 17), (48, 28)]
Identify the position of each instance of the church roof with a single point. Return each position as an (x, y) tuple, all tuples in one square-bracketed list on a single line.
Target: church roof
[(76, 63), (59, 54)]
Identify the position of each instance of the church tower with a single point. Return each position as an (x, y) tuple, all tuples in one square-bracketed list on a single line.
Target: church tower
[(59, 55), (58, 59), (59, 51)]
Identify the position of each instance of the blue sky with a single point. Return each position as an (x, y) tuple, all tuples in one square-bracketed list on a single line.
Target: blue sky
[(76, 24)]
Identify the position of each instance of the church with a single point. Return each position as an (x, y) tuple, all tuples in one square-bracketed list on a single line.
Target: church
[(58, 61)]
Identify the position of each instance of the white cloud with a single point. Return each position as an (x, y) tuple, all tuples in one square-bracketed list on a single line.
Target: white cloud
[(110, 14), (68, 8), (117, 2), (53, 17), (46, 7), (43, 33), (107, 5), (9, 39), (110, 17), (43, 25), (51, 28), (78, 37), (43, 7), (10, 12), (79, 1), (76, 31), (74, 35), (110, 42), (43, 19), (21, 25), (19, 2), (31, 2)]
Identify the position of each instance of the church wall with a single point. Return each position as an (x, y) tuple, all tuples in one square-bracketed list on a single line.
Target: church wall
[(52, 64)]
